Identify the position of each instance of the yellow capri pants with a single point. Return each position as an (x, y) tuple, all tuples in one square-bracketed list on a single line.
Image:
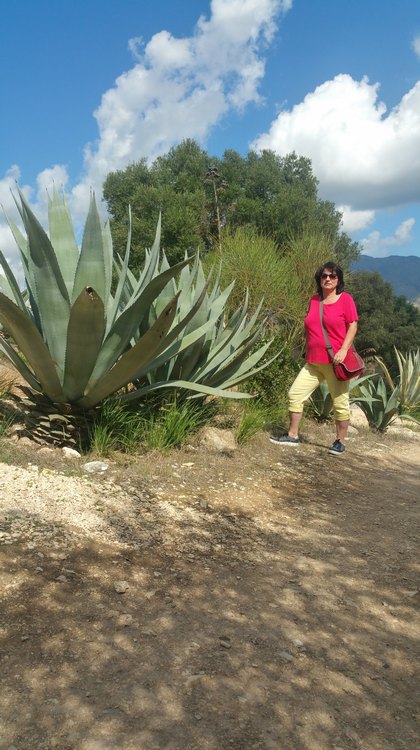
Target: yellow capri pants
[(309, 378)]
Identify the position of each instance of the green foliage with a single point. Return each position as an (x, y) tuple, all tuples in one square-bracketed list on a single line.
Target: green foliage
[(272, 383), (159, 423), (73, 341), (408, 383), (378, 405), (285, 281), (385, 321), (116, 427), (212, 354), (79, 345), (253, 419), (173, 424), (276, 196), (383, 400), (320, 403)]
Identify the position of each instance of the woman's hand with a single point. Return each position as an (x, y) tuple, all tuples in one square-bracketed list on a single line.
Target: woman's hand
[(340, 356)]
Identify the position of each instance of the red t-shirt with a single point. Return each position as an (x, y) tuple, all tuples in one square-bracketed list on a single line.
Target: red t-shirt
[(337, 318)]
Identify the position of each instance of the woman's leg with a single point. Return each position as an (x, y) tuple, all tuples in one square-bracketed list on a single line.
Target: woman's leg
[(303, 386), (339, 390)]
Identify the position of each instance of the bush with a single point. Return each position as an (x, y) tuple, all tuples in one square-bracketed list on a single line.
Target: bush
[(272, 384)]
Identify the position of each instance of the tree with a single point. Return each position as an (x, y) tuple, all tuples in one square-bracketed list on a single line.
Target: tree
[(200, 195), (385, 320)]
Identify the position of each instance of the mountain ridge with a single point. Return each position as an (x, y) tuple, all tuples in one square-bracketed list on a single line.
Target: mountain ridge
[(402, 272)]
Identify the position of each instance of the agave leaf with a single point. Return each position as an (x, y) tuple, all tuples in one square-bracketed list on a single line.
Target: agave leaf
[(90, 270), (151, 261), (84, 339), (122, 279), (29, 340), (19, 364), (108, 260), (237, 361), (13, 285), (133, 360), (22, 244), (63, 239), (20, 239), (245, 373), (47, 281), (128, 322), (170, 348), (187, 385), (178, 346)]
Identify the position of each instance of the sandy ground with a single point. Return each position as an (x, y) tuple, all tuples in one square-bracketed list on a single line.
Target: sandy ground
[(196, 601)]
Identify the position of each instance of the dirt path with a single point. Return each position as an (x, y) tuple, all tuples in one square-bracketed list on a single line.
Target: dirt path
[(271, 600)]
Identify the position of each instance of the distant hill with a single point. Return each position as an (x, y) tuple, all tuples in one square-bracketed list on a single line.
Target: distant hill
[(403, 272)]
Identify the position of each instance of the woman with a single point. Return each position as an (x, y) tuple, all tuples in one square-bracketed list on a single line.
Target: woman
[(340, 321)]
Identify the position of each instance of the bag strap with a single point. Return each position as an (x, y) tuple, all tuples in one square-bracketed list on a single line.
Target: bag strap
[(330, 350)]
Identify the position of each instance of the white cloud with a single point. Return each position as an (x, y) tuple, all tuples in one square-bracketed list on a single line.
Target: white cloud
[(362, 156), (178, 88), (416, 45), (353, 221), (379, 247)]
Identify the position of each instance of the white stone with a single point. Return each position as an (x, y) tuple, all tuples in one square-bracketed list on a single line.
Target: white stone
[(70, 452), (215, 439), (95, 467)]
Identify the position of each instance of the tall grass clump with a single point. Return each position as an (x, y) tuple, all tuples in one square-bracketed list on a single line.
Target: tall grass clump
[(254, 418), (282, 276), (116, 427), (174, 423)]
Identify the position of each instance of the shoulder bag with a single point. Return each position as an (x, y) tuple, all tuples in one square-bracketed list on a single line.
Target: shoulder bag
[(353, 364)]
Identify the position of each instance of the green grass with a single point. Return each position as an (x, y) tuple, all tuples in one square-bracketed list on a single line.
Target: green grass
[(254, 419), (155, 424), (174, 423)]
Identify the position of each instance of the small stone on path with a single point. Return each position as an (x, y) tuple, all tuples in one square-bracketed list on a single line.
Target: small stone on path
[(121, 587), (95, 467)]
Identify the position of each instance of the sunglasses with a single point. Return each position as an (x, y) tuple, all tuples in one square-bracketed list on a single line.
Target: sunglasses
[(329, 276)]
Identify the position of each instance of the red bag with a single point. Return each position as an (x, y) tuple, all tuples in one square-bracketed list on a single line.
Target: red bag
[(352, 366)]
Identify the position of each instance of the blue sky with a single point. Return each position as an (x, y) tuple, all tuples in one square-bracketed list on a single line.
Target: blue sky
[(89, 86)]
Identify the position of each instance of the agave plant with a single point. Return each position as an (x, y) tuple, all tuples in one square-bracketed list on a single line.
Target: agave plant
[(73, 336), (321, 403), (381, 404), (211, 355), (408, 379), (77, 342)]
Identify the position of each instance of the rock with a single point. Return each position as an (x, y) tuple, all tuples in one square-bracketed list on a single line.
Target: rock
[(62, 579), (70, 452), (27, 441), (215, 439), (45, 450), (125, 621), (352, 430), (357, 417), (286, 656), (224, 641), (193, 678), (121, 587), (95, 467)]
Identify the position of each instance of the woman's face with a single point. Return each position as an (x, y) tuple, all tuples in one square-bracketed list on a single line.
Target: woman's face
[(329, 280)]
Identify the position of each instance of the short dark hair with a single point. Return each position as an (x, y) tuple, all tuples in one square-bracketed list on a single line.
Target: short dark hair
[(331, 266)]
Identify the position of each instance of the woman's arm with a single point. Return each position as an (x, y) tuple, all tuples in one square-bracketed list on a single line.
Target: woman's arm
[(340, 355)]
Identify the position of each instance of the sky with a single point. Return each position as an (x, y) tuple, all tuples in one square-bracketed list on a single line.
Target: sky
[(91, 86)]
